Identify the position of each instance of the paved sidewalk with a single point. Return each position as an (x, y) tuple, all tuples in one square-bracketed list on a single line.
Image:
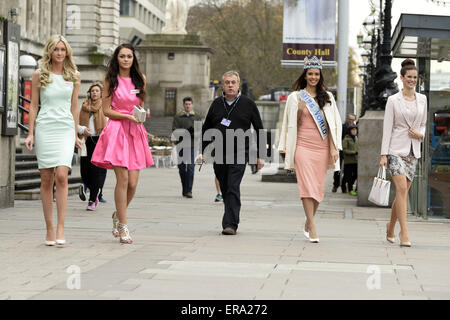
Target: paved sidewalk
[(179, 252)]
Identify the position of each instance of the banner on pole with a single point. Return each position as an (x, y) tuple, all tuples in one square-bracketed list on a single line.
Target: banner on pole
[(309, 29)]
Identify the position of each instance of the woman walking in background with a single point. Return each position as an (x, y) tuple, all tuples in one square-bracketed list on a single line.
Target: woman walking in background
[(404, 127), (123, 143), (56, 83), (310, 138), (92, 122)]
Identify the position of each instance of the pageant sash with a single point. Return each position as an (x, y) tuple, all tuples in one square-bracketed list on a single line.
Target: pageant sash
[(315, 112)]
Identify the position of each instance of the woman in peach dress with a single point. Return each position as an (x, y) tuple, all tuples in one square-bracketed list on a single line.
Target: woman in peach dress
[(310, 138)]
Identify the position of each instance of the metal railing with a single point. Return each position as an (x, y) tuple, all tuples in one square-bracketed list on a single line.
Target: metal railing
[(22, 111)]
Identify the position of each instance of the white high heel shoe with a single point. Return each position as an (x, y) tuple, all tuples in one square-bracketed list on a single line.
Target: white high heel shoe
[(50, 243), (306, 234), (312, 240), (60, 242)]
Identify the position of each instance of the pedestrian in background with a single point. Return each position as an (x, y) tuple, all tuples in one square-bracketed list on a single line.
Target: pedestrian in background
[(186, 155), (338, 177), (350, 150), (310, 138), (404, 127), (123, 143), (56, 84), (233, 112), (92, 122)]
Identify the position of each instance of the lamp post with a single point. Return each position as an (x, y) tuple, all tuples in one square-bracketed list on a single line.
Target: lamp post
[(384, 85), (27, 65)]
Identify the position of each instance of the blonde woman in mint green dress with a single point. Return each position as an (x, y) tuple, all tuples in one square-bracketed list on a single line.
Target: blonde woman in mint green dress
[(53, 130)]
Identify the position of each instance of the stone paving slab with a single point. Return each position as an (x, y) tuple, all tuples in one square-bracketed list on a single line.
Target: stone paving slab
[(179, 252)]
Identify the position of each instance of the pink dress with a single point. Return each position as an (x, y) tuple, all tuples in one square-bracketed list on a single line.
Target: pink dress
[(311, 159), (123, 143)]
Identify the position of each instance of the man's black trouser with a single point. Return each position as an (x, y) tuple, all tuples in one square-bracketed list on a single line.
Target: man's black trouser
[(337, 174), (186, 170), (230, 177)]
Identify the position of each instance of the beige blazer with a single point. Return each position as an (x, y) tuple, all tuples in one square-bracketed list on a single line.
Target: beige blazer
[(396, 140), (288, 134)]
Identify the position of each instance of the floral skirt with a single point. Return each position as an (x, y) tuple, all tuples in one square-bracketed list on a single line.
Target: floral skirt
[(404, 165)]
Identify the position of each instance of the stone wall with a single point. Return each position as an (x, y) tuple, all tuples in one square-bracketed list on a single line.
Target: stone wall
[(188, 71), (38, 21), (94, 38)]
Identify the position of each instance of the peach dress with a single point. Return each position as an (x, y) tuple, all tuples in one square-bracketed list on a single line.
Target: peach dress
[(311, 158)]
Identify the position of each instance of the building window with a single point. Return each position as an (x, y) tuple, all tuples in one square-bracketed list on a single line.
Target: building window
[(125, 7)]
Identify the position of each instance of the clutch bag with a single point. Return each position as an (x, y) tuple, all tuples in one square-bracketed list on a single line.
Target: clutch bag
[(139, 113)]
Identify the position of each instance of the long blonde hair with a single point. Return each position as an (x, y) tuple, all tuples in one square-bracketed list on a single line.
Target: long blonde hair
[(69, 69)]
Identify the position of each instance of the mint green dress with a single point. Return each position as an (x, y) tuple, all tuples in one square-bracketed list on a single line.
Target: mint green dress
[(55, 126)]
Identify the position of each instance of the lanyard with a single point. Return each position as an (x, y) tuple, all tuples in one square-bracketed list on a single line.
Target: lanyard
[(233, 106)]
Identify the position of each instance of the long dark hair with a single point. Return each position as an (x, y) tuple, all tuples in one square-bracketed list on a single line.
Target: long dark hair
[(322, 96), (135, 73)]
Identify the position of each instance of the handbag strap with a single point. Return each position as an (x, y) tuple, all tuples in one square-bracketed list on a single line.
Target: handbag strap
[(381, 173)]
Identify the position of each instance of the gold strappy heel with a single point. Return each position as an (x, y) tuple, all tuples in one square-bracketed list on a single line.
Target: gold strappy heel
[(115, 231), (124, 234)]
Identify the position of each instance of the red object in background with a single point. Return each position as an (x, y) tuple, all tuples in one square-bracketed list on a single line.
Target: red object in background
[(282, 98), (148, 112), (26, 94)]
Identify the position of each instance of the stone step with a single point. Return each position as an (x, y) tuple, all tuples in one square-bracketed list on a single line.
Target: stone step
[(35, 194), (36, 183), (25, 157), (27, 174), (26, 165), (159, 126)]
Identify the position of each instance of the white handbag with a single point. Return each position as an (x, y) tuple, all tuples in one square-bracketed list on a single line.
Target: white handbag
[(379, 194)]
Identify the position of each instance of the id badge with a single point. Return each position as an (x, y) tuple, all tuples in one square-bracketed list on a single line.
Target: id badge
[(135, 91), (226, 122)]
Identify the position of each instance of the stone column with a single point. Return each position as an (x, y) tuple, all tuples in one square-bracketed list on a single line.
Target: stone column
[(92, 29), (370, 134)]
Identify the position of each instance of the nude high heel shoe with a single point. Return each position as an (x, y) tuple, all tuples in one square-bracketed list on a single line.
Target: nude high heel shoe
[(403, 244), (389, 239)]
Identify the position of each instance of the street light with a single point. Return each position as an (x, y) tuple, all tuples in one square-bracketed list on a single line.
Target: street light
[(27, 65)]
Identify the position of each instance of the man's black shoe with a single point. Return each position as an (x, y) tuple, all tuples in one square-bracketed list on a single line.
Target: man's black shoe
[(334, 189), (229, 231), (188, 194)]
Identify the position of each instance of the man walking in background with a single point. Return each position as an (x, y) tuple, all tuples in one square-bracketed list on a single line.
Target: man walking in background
[(185, 120), (232, 115), (349, 121)]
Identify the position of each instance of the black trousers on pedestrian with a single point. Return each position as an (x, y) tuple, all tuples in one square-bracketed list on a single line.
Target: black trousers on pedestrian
[(350, 176), (84, 164), (93, 177), (337, 174), (186, 171), (230, 177)]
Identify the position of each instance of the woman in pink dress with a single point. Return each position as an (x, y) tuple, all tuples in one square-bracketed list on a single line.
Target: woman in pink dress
[(123, 143), (310, 138)]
